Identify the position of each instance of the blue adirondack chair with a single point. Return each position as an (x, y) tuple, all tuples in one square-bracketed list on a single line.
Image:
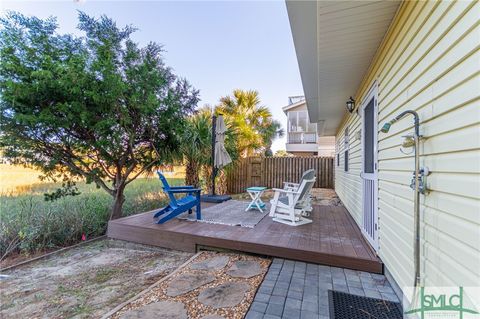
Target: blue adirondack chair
[(180, 205)]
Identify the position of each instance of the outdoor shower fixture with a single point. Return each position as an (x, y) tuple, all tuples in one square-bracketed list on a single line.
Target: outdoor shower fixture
[(408, 141), (417, 184)]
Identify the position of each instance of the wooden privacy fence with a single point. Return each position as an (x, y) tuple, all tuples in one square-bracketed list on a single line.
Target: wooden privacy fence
[(273, 171)]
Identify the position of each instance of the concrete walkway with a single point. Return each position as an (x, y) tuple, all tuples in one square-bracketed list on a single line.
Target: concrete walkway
[(293, 289)]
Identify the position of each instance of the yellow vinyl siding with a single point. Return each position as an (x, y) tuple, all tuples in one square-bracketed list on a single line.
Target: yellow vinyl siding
[(349, 182), (429, 62)]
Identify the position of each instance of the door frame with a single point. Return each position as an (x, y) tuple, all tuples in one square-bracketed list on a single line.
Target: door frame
[(372, 94)]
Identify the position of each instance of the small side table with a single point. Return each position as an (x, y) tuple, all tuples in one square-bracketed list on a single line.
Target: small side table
[(255, 193)]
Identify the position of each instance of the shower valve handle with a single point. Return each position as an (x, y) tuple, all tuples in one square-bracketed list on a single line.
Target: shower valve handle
[(422, 184)]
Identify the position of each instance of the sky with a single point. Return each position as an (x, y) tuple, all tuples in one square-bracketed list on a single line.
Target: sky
[(218, 46)]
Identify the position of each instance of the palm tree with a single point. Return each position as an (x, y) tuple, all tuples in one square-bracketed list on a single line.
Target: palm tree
[(269, 133), (196, 148), (255, 128), (196, 145)]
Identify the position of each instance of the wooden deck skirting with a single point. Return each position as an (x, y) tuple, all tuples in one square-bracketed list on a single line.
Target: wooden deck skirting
[(332, 239)]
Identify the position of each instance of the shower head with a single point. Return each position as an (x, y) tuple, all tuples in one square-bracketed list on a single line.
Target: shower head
[(386, 127)]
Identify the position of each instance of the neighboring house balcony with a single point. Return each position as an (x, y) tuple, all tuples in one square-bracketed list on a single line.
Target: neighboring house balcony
[(302, 142), (302, 137)]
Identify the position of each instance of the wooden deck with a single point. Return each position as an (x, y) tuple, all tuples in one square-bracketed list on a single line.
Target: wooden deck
[(332, 239)]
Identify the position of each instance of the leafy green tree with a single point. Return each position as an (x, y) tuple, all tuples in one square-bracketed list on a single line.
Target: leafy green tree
[(253, 123), (97, 107)]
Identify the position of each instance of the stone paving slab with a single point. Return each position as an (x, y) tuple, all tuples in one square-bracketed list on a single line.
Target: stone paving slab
[(245, 269), (162, 309), (188, 282), (214, 263), (228, 294), (300, 290)]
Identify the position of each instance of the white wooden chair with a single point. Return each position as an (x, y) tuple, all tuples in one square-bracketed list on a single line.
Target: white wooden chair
[(307, 202), (288, 206)]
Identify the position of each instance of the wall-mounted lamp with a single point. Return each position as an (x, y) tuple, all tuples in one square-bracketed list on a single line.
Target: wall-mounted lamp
[(350, 105)]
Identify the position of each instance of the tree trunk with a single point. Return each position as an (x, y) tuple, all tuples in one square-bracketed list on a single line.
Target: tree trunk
[(207, 178), (221, 183), (268, 149), (119, 199), (191, 174)]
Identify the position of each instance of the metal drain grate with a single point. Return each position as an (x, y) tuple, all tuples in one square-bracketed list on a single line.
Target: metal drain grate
[(347, 306)]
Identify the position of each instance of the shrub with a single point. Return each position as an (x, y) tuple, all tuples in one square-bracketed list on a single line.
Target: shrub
[(28, 223)]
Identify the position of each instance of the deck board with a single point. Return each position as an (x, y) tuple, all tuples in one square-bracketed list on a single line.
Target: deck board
[(332, 239)]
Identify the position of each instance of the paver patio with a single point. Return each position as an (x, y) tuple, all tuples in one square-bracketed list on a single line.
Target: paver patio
[(293, 289)]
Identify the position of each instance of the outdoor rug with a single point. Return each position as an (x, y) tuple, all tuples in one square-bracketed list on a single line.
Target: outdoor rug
[(231, 213), (348, 306)]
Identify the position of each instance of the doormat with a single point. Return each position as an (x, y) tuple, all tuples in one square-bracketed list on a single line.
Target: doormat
[(348, 306)]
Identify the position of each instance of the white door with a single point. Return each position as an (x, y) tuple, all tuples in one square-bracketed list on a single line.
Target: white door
[(370, 169)]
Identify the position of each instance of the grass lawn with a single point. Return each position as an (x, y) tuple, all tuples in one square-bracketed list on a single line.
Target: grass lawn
[(28, 223)]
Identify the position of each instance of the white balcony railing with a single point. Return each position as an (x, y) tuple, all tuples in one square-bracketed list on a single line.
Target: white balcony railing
[(302, 138), (295, 99)]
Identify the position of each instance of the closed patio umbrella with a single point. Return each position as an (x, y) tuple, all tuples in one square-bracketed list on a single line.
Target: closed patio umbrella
[(222, 158)]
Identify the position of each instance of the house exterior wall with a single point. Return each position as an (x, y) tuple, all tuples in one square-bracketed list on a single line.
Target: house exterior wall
[(300, 149), (427, 62), (324, 147)]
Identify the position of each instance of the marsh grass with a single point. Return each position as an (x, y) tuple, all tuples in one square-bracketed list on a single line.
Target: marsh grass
[(29, 224), (16, 176)]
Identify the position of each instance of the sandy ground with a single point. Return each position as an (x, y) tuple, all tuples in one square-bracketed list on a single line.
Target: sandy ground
[(84, 282)]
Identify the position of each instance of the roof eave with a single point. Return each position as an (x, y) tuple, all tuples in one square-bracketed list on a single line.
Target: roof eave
[(335, 42)]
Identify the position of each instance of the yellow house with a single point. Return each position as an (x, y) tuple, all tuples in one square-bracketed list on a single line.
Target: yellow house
[(391, 57)]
